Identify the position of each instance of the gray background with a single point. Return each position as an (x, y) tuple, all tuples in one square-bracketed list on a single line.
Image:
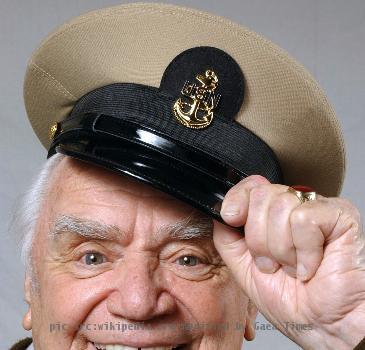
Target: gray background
[(326, 36)]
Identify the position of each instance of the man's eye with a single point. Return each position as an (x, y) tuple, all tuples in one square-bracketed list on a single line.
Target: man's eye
[(188, 260), (94, 258)]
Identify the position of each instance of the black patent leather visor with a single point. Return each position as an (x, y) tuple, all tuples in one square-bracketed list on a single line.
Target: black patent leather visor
[(130, 129)]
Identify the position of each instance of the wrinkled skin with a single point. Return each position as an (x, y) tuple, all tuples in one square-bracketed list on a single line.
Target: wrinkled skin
[(300, 264), (138, 278)]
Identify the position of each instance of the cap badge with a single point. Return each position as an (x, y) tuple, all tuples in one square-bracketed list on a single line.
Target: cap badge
[(197, 110), (54, 129)]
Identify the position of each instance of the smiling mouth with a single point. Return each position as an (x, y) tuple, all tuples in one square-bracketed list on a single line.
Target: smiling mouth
[(124, 347)]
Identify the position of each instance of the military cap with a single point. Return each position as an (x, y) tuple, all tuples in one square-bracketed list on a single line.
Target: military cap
[(188, 102)]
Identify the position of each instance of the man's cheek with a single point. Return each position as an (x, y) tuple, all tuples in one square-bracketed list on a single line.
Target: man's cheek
[(209, 300), (67, 301)]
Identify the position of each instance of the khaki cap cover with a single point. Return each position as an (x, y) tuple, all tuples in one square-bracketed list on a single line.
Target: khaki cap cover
[(134, 43)]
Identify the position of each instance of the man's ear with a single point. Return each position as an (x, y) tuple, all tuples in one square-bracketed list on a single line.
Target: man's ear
[(250, 321), (27, 318)]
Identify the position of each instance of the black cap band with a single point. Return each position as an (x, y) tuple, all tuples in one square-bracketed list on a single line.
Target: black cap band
[(131, 129)]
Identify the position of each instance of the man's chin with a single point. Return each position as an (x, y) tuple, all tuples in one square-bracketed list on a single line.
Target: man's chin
[(110, 346)]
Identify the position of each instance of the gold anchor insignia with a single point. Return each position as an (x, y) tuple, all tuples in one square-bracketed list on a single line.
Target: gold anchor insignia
[(199, 112)]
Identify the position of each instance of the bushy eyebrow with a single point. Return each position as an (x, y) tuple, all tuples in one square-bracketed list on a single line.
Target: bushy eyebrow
[(83, 227), (194, 226)]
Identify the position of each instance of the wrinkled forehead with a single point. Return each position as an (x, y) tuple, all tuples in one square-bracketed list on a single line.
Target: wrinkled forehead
[(86, 198)]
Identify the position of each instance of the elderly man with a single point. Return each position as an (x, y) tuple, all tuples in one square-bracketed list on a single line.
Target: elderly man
[(164, 214)]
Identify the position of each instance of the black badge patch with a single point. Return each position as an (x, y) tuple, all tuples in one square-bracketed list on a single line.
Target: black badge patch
[(206, 82)]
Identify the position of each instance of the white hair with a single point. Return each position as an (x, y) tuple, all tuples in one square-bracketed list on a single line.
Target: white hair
[(27, 213)]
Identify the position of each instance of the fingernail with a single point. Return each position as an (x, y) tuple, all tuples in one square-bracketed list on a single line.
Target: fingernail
[(231, 210), (301, 271), (265, 264)]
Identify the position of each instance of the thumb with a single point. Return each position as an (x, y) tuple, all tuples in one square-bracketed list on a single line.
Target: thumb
[(232, 248)]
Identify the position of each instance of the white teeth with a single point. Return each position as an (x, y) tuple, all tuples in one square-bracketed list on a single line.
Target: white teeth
[(123, 347)]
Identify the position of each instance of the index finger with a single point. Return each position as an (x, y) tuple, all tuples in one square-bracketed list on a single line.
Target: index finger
[(235, 204)]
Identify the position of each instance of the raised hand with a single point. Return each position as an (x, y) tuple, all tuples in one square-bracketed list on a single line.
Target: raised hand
[(299, 263)]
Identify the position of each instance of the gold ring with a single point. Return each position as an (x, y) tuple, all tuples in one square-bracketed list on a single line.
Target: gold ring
[(303, 196)]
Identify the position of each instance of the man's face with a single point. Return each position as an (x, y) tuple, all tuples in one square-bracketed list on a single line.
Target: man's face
[(114, 267)]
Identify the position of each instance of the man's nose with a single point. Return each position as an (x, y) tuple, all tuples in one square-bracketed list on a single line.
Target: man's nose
[(140, 293)]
